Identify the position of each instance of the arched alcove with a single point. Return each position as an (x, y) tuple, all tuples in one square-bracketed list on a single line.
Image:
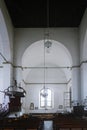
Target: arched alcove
[(84, 67), (58, 73), (5, 54), (84, 50), (1, 70), (58, 56), (5, 38)]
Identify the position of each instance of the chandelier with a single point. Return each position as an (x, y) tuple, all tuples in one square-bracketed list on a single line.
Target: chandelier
[(47, 42), (44, 91), (47, 45)]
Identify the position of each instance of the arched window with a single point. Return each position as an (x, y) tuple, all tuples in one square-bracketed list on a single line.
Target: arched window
[(46, 98)]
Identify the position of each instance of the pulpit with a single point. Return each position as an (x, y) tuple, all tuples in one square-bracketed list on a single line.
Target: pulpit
[(15, 104)]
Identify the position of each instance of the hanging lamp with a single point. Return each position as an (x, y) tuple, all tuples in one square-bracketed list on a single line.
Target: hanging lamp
[(44, 92), (47, 42)]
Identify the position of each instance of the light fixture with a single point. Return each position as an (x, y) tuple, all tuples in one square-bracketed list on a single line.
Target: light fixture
[(44, 91), (47, 41), (47, 45)]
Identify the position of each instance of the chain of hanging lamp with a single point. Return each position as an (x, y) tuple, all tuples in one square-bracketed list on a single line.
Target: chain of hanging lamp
[(46, 44), (44, 92)]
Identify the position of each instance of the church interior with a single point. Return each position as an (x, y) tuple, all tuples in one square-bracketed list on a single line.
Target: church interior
[(43, 65)]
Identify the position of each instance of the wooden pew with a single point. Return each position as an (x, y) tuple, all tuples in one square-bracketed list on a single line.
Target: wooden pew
[(21, 124), (69, 123)]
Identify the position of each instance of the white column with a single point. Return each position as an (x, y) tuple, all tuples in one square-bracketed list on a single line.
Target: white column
[(76, 89), (1, 85), (6, 78), (7, 75), (18, 75), (83, 81)]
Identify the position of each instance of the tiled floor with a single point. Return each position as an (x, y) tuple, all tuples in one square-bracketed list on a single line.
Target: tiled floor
[(48, 125)]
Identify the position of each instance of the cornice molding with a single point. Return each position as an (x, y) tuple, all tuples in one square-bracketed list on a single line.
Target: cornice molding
[(62, 83), (27, 67)]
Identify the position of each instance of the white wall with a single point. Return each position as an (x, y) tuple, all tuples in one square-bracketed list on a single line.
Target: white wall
[(33, 96), (66, 36), (83, 55), (69, 37), (25, 37), (6, 46)]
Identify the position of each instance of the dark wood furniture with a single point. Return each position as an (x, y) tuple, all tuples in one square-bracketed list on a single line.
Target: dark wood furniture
[(21, 124), (15, 104), (69, 123)]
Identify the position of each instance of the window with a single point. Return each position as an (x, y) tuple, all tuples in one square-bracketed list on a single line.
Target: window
[(46, 100)]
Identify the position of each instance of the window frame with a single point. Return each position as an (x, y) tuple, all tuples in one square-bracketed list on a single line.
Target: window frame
[(45, 106)]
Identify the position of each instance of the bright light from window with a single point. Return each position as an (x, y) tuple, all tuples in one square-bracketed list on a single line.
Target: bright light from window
[(46, 102)]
